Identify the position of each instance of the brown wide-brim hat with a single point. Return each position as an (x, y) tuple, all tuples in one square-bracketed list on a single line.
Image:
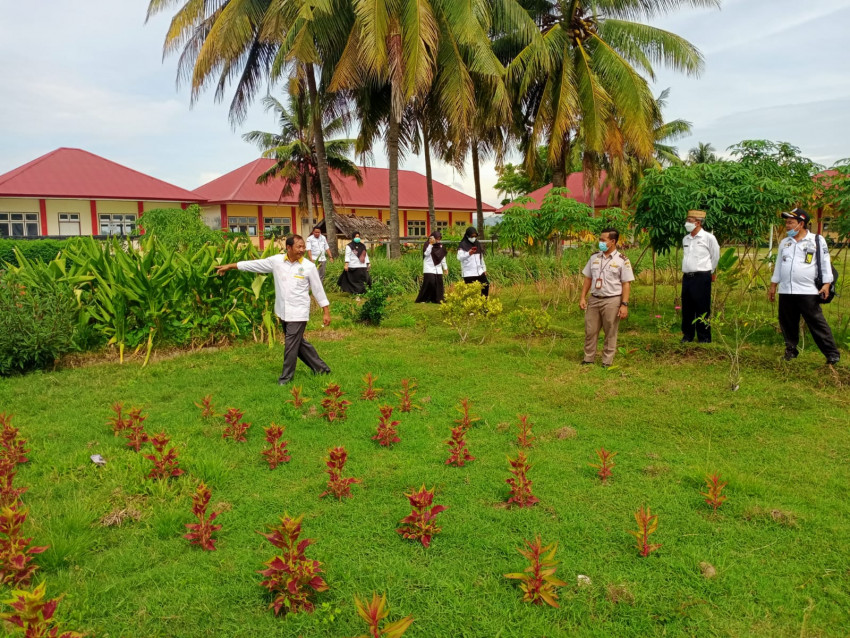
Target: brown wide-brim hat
[(698, 214)]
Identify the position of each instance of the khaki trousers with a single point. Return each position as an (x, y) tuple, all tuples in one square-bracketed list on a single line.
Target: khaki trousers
[(601, 314)]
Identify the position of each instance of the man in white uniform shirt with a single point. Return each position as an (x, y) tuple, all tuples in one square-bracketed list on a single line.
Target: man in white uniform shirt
[(318, 251), (294, 279), (701, 254), (794, 275)]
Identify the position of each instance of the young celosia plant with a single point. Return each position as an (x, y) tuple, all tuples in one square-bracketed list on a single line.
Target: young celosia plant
[(297, 400), (524, 437), (16, 568), (290, 576), (370, 392), (32, 616), (165, 464), (135, 429), (538, 579), (405, 397), (420, 525), (457, 446), (605, 463), (387, 433), (374, 612), (9, 494), (521, 495), (466, 419), (337, 485), (200, 533), (118, 422), (333, 405), (207, 407), (276, 453), (12, 446), (647, 524), (235, 428), (715, 485)]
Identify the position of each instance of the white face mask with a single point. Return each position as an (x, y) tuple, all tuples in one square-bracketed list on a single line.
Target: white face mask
[(473, 239), (689, 226)]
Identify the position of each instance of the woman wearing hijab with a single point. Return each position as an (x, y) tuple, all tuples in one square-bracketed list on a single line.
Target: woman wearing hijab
[(355, 276), (433, 267), (471, 257)]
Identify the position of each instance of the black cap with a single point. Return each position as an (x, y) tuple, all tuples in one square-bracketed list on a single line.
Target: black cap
[(799, 214)]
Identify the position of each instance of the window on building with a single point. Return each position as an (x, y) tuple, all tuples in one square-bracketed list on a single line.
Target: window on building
[(69, 224), (18, 224), (416, 228), (441, 224), (461, 224), (115, 224), (826, 224), (247, 225), (278, 225)]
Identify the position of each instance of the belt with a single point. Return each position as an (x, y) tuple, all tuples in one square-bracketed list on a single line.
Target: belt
[(694, 274), (608, 297)]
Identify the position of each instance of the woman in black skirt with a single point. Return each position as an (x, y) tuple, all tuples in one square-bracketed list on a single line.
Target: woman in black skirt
[(355, 277), (433, 267)]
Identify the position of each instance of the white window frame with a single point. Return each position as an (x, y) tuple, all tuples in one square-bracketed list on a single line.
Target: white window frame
[(441, 224), (119, 224), (418, 225), (278, 222), (70, 220), (28, 224), (242, 224)]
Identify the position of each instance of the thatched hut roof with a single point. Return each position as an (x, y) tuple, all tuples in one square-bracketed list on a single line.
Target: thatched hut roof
[(370, 228)]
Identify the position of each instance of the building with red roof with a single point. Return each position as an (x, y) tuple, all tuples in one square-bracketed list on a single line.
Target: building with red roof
[(597, 199), (70, 191), (236, 201)]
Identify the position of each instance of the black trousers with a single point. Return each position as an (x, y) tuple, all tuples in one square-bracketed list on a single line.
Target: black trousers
[(297, 347), (484, 281), (432, 289), (696, 302), (791, 308)]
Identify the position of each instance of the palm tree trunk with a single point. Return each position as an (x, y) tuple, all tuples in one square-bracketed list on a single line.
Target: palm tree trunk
[(322, 161), (392, 151), (429, 179), (559, 166), (476, 175), (310, 211)]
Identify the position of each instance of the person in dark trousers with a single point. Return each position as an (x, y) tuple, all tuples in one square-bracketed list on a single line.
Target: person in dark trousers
[(699, 261), (794, 277), (294, 279), (433, 268), (471, 257)]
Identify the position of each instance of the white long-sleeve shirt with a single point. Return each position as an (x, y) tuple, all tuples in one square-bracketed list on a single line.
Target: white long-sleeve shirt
[(293, 283), (430, 268), (317, 247), (797, 265), (471, 265), (353, 260), (702, 252)]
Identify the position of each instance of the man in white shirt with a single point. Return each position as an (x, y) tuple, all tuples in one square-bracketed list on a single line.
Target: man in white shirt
[(318, 251), (699, 261), (794, 275), (294, 279)]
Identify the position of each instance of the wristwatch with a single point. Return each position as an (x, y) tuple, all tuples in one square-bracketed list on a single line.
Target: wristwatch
[(624, 303)]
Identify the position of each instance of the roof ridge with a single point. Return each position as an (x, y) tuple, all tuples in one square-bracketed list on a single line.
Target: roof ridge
[(132, 170)]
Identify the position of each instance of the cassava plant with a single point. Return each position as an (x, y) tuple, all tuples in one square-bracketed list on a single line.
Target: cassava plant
[(405, 397), (459, 453), (276, 453), (466, 419), (207, 407), (387, 430), (32, 616), (16, 567), (647, 524), (338, 485), (290, 576), (376, 611), (420, 525), (165, 464), (370, 392), (715, 485), (538, 581), (334, 406), (524, 437), (118, 422), (605, 464), (201, 533), (236, 427), (297, 400), (521, 495)]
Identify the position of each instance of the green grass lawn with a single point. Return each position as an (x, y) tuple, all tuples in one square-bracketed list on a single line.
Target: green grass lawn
[(780, 544)]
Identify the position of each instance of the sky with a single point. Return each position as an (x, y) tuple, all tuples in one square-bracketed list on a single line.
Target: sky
[(91, 75)]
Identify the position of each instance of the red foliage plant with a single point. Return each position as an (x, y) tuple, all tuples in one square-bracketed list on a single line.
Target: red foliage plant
[(337, 485), (387, 433), (524, 438), (297, 400), (135, 429), (118, 422), (405, 397), (333, 405), (370, 392), (647, 524), (290, 576), (32, 616), (521, 495), (538, 579), (12, 446), (466, 419), (420, 524), (207, 407), (374, 612), (235, 428), (16, 568), (715, 485), (9, 494), (165, 464), (276, 453), (200, 533), (605, 463), (457, 446)]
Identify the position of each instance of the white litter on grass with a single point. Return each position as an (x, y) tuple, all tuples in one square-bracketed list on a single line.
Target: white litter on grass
[(98, 460), (584, 581)]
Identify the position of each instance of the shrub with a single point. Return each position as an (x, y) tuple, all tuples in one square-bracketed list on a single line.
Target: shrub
[(521, 495), (276, 453), (337, 485), (386, 433), (235, 428), (15, 566), (465, 308), (200, 533), (334, 406), (528, 323), (32, 616), (420, 524), (375, 304), (179, 229), (43, 250), (647, 524), (374, 612), (165, 464), (538, 579)]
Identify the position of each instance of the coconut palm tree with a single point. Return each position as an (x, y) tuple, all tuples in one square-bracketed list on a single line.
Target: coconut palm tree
[(702, 153)]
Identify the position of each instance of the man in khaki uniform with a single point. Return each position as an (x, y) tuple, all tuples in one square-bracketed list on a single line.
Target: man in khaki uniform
[(607, 277)]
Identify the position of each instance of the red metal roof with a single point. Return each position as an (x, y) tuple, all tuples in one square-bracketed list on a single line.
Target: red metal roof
[(577, 191), (77, 174), (240, 186)]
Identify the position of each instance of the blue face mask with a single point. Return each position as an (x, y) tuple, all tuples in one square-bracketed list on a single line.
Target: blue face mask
[(603, 246), (792, 233)]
